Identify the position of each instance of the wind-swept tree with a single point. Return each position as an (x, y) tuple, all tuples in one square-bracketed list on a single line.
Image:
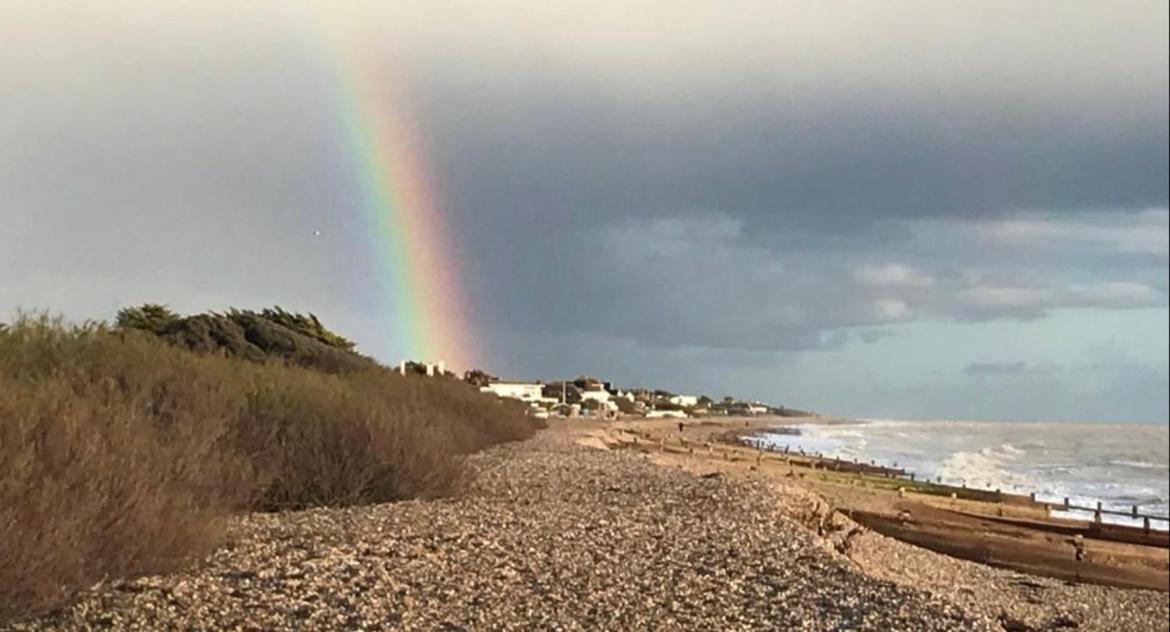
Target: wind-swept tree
[(150, 317)]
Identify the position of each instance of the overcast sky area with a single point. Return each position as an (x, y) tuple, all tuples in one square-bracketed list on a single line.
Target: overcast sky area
[(900, 209)]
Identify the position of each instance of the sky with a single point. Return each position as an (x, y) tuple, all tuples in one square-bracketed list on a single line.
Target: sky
[(901, 209)]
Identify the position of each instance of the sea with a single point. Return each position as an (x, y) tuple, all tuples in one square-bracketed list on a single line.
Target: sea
[(1120, 465)]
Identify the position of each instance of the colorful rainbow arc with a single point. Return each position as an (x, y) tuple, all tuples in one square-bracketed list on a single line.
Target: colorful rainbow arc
[(418, 281)]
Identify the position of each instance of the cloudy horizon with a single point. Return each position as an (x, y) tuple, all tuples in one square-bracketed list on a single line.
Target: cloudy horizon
[(886, 210)]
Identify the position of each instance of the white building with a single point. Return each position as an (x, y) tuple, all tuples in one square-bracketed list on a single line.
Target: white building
[(661, 414), (685, 401), (523, 391), (600, 396)]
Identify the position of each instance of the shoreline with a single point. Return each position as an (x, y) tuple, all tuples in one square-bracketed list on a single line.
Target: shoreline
[(1075, 507), (1005, 530), (578, 529)]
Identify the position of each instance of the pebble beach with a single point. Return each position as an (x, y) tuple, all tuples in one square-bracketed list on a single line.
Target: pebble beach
[(561, 533)]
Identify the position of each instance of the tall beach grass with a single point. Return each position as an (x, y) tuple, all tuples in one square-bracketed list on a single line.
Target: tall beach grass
[(122, 453)]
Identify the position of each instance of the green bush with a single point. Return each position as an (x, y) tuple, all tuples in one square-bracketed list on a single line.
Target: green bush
[(271, 334)]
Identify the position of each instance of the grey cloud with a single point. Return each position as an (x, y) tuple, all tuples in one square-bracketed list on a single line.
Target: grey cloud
[(780, 179), (700, 279), (1004, 369)]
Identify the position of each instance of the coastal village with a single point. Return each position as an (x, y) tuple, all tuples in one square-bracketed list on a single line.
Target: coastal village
[(591, 397)]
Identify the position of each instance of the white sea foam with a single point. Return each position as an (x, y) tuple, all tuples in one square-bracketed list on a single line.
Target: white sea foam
[(1142, 465), (1118, 465)]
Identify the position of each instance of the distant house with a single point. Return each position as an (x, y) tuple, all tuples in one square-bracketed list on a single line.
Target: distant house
[(643, 395), (523, 391), (749, 408), (684, 401), (605, 401), (596, 395), (558, 391)]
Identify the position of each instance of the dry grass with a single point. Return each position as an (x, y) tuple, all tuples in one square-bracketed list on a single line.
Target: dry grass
[(121, 454)]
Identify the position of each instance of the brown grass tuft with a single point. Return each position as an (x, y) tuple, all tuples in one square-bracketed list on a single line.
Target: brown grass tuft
[(121, 454)]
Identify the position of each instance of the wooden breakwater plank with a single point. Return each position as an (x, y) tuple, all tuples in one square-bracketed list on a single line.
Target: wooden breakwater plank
[(1099, 531), (1006, 552)]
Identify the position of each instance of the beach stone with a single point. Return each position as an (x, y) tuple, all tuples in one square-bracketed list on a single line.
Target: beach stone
[(550, 534)]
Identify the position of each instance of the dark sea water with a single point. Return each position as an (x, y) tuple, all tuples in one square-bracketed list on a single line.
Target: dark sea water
[(1121, 465)]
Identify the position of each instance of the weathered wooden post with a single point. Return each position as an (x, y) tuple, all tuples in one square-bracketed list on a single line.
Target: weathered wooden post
[(1066, 505), (1135, 511), (1146, 525), (1032, 496)]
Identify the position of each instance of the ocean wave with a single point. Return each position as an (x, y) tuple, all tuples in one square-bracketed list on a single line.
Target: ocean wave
[(982, 469), (1141, 465), (1087, 463), (1005, 451)]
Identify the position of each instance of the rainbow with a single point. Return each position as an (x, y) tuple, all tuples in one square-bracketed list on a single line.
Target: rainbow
[(417, 282)]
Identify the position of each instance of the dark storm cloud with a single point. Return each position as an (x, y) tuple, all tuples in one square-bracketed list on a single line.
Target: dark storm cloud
[(785, 164), (990, 169), (681, 176)]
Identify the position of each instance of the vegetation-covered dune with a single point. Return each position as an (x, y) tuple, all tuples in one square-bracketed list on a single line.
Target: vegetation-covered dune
[(123, 447)]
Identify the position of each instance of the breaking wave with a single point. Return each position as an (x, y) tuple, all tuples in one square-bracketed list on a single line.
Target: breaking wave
[(1120, 466)]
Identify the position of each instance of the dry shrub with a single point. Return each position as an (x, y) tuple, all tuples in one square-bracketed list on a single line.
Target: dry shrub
[(326, 440), (121, 454), (101, 474)]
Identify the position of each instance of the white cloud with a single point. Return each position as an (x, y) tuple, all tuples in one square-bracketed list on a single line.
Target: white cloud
[(1003, 297), (892, 275), (987, 300), (1138, 233), (1115, 294)]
